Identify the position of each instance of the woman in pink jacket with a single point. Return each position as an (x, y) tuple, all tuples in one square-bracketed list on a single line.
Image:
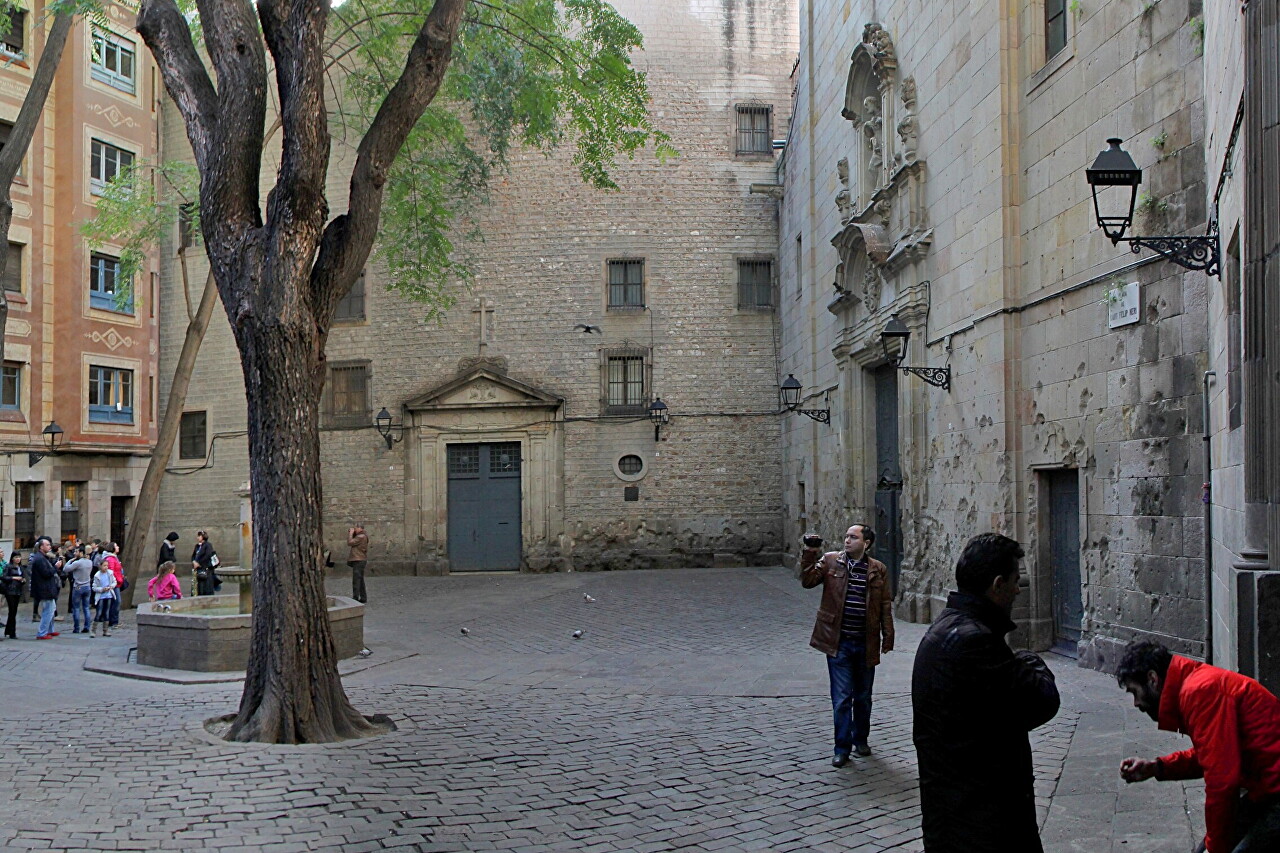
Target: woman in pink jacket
[(164, 586)]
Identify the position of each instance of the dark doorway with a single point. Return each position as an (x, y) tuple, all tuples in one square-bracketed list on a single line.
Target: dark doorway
[(888, 521), (1063, 531), (484, 507), (120, 518), (25, 515)]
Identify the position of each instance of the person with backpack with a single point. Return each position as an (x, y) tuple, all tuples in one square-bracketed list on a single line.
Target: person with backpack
[(112, 563)]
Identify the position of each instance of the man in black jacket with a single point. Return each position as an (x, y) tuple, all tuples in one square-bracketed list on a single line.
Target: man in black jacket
[(45, 584), (974, 701)]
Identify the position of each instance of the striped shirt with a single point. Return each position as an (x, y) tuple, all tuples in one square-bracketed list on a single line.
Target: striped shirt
[(853, 624)]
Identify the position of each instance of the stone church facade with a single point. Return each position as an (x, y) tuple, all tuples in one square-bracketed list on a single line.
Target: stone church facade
[(519, 435), (935, 173)]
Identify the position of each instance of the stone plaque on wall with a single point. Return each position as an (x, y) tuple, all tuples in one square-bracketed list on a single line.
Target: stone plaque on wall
[(1122, 305)]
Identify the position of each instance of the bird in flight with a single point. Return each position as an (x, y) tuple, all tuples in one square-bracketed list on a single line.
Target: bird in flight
[(587, 329)]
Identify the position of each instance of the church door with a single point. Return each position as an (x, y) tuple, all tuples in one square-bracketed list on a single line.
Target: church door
[(484, 507), (888, 521)]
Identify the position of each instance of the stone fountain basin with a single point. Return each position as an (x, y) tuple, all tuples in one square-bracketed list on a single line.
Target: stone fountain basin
[(208, 633)]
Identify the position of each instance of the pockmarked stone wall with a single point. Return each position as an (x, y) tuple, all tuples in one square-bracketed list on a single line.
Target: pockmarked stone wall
[(935, 171), (522, 355)]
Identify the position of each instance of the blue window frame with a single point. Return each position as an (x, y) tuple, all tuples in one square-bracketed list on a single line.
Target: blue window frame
[(107, 288), (110, 395)]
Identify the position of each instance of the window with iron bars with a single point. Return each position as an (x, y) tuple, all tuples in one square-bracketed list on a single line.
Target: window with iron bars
[(625, 384), (753, 129), (626, 284), (347, 395), (755, 283)]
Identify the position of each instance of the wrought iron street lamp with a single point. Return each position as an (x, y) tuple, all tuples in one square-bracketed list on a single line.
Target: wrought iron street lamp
[(660, 415), (789, 395), (896, 330), (383, 422), (1115, 168), (52, 435)]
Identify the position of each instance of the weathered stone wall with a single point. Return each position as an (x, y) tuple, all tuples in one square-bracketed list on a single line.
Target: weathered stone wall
[(988, 251), (709, 490)]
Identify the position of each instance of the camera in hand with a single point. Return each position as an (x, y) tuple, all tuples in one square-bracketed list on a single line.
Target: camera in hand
[(812, 540)]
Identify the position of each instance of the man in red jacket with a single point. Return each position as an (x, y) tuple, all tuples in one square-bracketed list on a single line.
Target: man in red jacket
[(1234, 726)]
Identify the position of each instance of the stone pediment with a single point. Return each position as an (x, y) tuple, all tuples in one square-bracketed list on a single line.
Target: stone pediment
[(483, 389)]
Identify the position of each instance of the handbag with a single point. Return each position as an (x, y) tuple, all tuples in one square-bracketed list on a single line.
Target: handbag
[(214, 561), (202, 574)]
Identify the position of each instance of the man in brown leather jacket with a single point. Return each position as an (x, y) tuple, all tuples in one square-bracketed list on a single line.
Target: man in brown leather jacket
[(854, 625)]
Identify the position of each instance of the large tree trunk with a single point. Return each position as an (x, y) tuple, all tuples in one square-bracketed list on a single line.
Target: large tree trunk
[(144, 512), (292, 693)]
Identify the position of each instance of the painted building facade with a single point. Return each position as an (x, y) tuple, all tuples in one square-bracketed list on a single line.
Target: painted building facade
[(519, 434), (935, 173), (79, 352)]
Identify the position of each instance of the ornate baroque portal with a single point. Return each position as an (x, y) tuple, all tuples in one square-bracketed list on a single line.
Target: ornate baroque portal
[(882, 246)]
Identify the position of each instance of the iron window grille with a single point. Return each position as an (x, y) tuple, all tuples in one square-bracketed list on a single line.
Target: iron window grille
[(105, 162), (193, 435), (26, 499), (625, 385), (72, 496), (11, 386), (753, 129), (347, 395), (110, 395), (626, 284), (464, 460), (630, 464), (187, 225), (755, 284), (107, 288), (114, 61)]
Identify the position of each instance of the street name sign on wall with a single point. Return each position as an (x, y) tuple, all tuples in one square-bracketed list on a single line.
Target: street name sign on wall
[(1122, 305)]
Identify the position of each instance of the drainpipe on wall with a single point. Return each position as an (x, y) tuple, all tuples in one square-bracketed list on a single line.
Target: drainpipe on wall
[(1207, 498)]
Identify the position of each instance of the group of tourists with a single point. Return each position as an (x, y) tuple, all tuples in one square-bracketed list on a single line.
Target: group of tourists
[(975, 700), (94, 579)]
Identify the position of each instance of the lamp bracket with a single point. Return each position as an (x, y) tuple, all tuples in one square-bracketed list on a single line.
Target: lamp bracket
[(939, 377), (33, 458), (1189, 252), (822, 416)]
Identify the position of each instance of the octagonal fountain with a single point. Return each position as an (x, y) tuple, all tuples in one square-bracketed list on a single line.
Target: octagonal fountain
[(211, 633)]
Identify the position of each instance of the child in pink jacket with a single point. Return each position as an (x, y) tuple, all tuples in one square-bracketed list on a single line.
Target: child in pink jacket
[(164, 586)]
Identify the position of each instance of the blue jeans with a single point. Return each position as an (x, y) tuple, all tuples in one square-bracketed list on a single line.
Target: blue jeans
[(80, 596), (851, 681), (47, 607), (115, 607)]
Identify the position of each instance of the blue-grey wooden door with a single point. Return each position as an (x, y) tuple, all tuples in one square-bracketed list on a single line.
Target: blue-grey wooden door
[(484, 507), (1064, 558)]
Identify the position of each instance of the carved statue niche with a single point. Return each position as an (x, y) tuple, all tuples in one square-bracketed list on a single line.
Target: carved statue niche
[(871, 284), (880, 43)]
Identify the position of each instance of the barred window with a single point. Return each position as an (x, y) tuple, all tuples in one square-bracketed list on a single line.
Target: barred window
[(347, 395), (755, 284), (624, 385), (626, 284), (1055, 27), (753, 129), (193, 435), (72, 497), (351, 307)]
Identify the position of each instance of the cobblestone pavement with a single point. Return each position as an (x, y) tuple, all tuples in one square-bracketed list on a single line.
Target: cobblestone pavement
[(690, 715)]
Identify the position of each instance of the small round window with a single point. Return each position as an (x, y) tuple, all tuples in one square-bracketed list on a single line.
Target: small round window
[(630, 465)]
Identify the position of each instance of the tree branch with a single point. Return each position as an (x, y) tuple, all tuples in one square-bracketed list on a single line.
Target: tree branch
[(166, 33), (348, 238)]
